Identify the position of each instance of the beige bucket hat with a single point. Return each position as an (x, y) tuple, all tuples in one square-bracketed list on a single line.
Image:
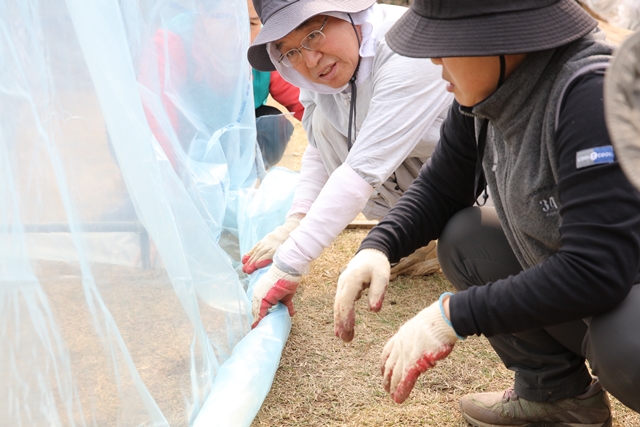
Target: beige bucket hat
[(622, 106)]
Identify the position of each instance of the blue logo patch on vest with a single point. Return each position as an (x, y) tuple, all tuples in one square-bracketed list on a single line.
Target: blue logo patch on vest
[(595, 156)]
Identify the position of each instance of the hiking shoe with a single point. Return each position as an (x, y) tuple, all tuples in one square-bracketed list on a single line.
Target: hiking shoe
[(590, 409)]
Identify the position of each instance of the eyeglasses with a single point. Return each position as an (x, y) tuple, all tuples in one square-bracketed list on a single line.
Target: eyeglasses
[(312, 41)]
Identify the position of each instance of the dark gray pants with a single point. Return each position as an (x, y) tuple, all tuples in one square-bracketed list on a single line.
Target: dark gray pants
[(549, 363)]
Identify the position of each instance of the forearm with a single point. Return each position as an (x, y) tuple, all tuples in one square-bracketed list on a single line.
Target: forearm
[(339, 202), (313, 177)]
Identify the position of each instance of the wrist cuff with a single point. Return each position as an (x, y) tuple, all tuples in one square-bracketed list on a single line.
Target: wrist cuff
[(291, 223), (449, 294), (287, 268)]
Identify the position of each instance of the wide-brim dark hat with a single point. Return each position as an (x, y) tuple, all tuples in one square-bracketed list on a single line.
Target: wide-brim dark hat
[(622, 106), (448, 28), (280, 17)]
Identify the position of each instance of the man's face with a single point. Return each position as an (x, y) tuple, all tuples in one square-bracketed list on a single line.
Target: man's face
[(334, 63)]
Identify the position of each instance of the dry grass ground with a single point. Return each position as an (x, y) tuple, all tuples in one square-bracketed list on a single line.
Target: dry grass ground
[(323, 382)]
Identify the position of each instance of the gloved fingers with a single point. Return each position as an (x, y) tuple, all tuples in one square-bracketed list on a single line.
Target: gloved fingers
[(416, 347), (350, 286), (249, 255), (253, 250), (260, 256), (397, 374), (276, 285), (262, 253), (405, 385), (261, 312), (264, 262), (392, 368), (386, 366), (270, 300), (254, 254), (262, 299), (386, 378), (400, 377), (343, 328), (288, 302), (403, 373), (256, 300), (250, 267), (378, 287), (263, 250), (408, 380)]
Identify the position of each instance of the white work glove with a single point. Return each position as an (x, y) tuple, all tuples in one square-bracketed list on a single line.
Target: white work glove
[(275, 286), (416, 347), (262, 253), (368, 269)]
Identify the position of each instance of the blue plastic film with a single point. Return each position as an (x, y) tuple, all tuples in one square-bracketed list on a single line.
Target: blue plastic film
[(131, 182)]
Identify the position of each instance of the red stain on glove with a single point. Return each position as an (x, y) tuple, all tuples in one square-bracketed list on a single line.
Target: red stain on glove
[(282, 291), (405, 386), (250, 267)]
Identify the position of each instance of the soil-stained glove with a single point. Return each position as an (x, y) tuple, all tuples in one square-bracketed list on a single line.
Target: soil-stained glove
[(416, 347), (262, 253), (274, 286), (368, 269)]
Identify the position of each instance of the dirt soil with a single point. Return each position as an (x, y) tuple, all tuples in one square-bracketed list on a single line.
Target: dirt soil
[(153, 326), (323, 382)]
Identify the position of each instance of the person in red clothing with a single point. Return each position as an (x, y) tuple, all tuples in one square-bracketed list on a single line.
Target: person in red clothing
[(265, 83), (274, 131), (190, 73)]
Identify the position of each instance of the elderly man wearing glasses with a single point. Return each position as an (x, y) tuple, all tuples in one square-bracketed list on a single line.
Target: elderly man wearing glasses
[(372, 119)]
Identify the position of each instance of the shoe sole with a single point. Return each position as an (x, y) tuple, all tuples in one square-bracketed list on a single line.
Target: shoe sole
[(477, 423)]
